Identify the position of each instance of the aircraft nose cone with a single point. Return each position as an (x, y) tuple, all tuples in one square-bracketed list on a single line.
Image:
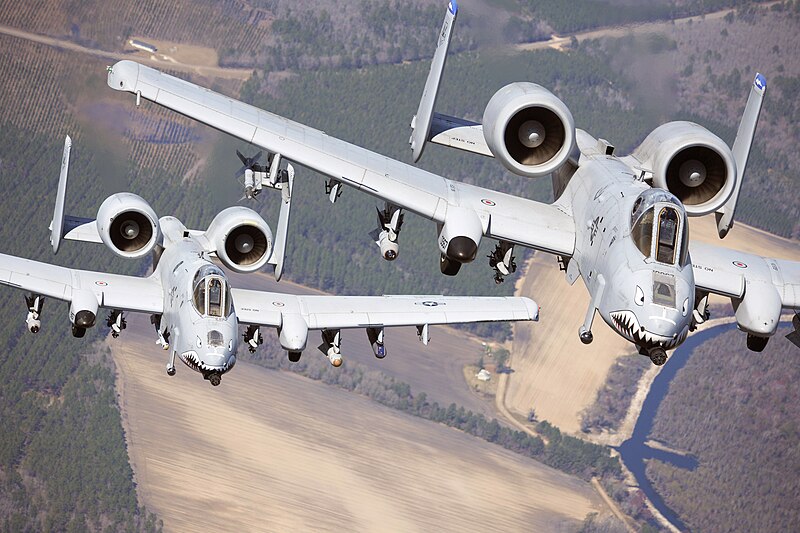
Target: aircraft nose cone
[(213, 360)]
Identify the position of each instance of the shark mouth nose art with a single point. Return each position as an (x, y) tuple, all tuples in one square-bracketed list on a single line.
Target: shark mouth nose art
[(626, 323), (192, 361)]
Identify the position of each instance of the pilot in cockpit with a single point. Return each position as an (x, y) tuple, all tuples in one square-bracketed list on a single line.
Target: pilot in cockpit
[(659, 229), (211, 295)]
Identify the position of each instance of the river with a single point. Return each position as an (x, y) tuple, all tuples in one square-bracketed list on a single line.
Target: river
[(635, 452)]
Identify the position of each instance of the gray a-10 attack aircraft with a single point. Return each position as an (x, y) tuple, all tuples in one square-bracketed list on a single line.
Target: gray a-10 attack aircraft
[(195, 311), (619, 223)]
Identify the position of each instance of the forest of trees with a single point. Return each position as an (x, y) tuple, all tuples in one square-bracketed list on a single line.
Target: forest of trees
[(563, 452), (738, 413), (62, 437), (63, 460), (613, 400), (568, 16)]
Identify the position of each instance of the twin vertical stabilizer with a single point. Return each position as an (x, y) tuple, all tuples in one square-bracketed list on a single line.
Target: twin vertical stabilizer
[(421, 123), (741, 151)]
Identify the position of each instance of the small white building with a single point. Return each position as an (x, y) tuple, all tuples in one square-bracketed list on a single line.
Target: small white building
[(141, 45), (484, 375)]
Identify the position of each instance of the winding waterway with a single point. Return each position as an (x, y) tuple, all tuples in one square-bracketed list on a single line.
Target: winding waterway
[(635, 451)]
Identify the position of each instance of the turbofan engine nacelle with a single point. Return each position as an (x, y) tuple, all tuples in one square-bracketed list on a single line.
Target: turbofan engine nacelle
[(692, 163), (528, 129), (241, 239), (128, 225)]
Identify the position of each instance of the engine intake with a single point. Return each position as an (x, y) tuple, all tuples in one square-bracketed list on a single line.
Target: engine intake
[(241, 239), (128, 225), (528, 129), (692, 163)]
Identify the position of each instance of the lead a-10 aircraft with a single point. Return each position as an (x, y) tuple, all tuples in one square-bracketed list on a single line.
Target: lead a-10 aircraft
[(619, 223), (195, 311)]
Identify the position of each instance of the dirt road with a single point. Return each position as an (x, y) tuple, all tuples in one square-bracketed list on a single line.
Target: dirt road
[(153, 60), (559, 41)]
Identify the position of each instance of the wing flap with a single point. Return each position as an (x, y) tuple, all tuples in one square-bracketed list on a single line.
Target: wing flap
[(729, 272), (113, 291), (459, 133), (341, 312), (719, 282), (54, 282), (262, 308), (790, 277)]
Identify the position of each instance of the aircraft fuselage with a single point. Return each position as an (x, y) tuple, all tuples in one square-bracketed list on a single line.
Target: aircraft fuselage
[(630, 250), (198, 323)]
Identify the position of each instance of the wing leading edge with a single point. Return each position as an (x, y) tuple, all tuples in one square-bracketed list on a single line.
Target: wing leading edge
[(518, 220), (112, 291), (342, 312), (734, 274)]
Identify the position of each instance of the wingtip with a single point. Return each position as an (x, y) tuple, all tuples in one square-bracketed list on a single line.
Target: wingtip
[(532, 308)]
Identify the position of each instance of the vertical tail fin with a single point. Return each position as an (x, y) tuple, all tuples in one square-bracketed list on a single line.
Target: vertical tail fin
[(421, 123), (741, 151), (279, 247), (57, 224), (65, 226)]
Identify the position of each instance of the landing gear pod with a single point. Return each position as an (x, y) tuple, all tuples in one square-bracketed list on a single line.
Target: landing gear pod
[(82, 312)]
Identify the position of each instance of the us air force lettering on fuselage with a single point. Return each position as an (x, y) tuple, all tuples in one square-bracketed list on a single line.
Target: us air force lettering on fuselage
[(195, 311), (618, 222)]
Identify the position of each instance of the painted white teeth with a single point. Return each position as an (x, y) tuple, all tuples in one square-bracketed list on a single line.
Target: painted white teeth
[(626, 323), (190, 359)]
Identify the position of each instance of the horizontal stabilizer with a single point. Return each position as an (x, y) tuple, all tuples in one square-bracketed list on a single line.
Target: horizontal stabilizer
[(81, 229), (794, 338), (458, 133)]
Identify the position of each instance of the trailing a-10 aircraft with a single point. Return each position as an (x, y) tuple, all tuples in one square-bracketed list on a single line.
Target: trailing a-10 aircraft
[(618, 222), (195, 311)]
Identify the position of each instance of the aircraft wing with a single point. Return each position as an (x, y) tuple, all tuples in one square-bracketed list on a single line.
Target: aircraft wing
[(112, 291), (733, 273), (342, 312), (505, 217)]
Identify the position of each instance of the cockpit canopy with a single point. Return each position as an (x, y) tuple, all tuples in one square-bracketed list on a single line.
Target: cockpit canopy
[(659, 228), (211, 297)]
